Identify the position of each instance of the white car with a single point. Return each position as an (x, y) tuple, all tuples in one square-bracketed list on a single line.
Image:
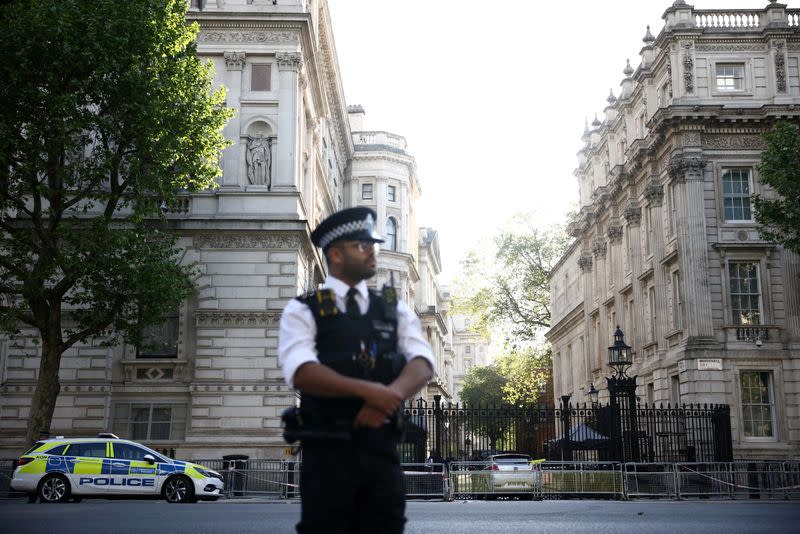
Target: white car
[(511, 473), (59, 469)]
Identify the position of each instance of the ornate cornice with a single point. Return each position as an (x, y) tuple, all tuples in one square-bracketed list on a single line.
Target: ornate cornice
[(728, 141), (654, 193), (234, 60), (680, 167), (289, 61), (240, 319), (585, 261), (614, 232), (633, 214), (247, 241)]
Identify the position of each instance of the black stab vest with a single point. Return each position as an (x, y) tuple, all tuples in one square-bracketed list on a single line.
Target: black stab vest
[(353, 347)]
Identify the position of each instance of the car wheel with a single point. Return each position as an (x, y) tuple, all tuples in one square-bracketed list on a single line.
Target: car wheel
[(179, 489), (54, 488)]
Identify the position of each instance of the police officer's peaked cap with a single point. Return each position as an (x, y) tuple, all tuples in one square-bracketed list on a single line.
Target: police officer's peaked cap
[(353, 224)]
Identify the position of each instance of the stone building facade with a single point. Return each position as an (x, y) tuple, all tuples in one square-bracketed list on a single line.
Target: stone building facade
[(666, 245), (211, 384)]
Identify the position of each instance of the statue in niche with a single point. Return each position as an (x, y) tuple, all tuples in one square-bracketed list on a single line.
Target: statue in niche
[(259, 160)]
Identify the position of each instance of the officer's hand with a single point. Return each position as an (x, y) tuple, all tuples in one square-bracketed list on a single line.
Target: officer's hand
[(369, 417), (382, 398)]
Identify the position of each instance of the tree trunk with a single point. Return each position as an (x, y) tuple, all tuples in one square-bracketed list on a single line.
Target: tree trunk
[(47, 385)]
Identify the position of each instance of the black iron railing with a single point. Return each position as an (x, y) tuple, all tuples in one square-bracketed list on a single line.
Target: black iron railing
[(689, 433)]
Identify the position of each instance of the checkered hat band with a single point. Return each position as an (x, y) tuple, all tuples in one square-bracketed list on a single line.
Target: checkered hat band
[(346, 228)]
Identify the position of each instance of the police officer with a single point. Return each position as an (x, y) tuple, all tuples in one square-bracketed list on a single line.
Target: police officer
[(339, 346)]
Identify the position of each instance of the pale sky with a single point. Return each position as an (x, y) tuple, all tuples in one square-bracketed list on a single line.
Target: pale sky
[(491, 96)]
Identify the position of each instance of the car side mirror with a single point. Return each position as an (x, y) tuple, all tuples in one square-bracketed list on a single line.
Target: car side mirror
[(149, 458)]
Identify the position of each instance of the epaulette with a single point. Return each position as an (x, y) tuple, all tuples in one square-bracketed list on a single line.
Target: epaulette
[(321, 301), (388, 298)]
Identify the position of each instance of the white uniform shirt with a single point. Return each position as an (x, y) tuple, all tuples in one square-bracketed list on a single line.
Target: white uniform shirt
[(298, 330)]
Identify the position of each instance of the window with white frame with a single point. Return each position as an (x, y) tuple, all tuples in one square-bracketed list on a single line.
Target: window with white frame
[(745, 292), (730, 77), (391, 193), (736, 192), (366, 191), (391, 234), (142, 421), (758, 410)]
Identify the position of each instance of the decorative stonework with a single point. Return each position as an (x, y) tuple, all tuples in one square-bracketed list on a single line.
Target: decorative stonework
[(691, 139), (225, 319), (234, 60), (239, 241), (289, 61), (633, 214), (615, 232), (654, 194), (741, 47), (599, 248), (727, 141), (780, 66), (688, 67), (268, 37), (585, 262), (669, 76), (686, 168)]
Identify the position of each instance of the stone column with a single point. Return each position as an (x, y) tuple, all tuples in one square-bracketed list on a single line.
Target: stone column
[(791, 291), (615, 239), (233, 156), (585, 264), (600, 249), (654, 193), (380, 205), (633, 215), (692, 246), (286, 154)]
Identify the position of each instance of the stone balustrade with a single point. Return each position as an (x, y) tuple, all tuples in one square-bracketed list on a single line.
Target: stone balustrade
[(727, 20), (380, 138)]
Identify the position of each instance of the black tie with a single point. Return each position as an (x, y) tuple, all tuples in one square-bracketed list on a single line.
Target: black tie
[(352, 306)]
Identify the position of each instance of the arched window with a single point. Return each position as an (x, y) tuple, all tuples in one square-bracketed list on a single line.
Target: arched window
[(391, 234)]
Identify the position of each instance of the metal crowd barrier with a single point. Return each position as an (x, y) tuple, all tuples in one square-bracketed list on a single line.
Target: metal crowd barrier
[(428, 480), (742, 479)]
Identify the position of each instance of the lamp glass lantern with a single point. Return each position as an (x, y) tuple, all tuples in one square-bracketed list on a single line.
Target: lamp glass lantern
[(620, 356), (593, 394)]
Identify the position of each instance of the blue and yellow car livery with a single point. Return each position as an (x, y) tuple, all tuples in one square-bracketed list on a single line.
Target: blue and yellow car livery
[(59, 469)]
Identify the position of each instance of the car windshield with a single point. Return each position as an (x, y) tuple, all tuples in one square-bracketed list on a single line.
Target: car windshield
[(158, 456)]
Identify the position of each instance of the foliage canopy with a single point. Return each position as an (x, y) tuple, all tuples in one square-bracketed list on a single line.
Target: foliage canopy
[(106, 115)]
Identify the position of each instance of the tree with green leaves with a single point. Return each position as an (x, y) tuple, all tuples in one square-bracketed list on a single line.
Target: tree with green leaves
[(106, 115), (507, 289), (779, 218), (483, 387)]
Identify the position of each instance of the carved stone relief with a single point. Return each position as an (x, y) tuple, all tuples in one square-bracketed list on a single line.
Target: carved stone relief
[(732, 47), (218, 319), (234, 60), (264, 241), (599, 247), (289, 60), (633, 214), (780, 66), (723, 141), (683, 168), (691, 139), (269, 37), (615, 233), (654, 194), (688, 67)]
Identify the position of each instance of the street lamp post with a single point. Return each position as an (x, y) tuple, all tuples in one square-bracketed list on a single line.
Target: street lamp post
[(622, 401), (566, 415)]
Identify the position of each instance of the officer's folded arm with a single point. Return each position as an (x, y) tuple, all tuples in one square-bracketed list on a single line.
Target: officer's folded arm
[(380, 400)]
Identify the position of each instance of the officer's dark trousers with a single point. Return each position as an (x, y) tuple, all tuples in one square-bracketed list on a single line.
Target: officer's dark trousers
[(352, 486)]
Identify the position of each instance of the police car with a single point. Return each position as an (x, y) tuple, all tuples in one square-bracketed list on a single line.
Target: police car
[(106, 466)]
